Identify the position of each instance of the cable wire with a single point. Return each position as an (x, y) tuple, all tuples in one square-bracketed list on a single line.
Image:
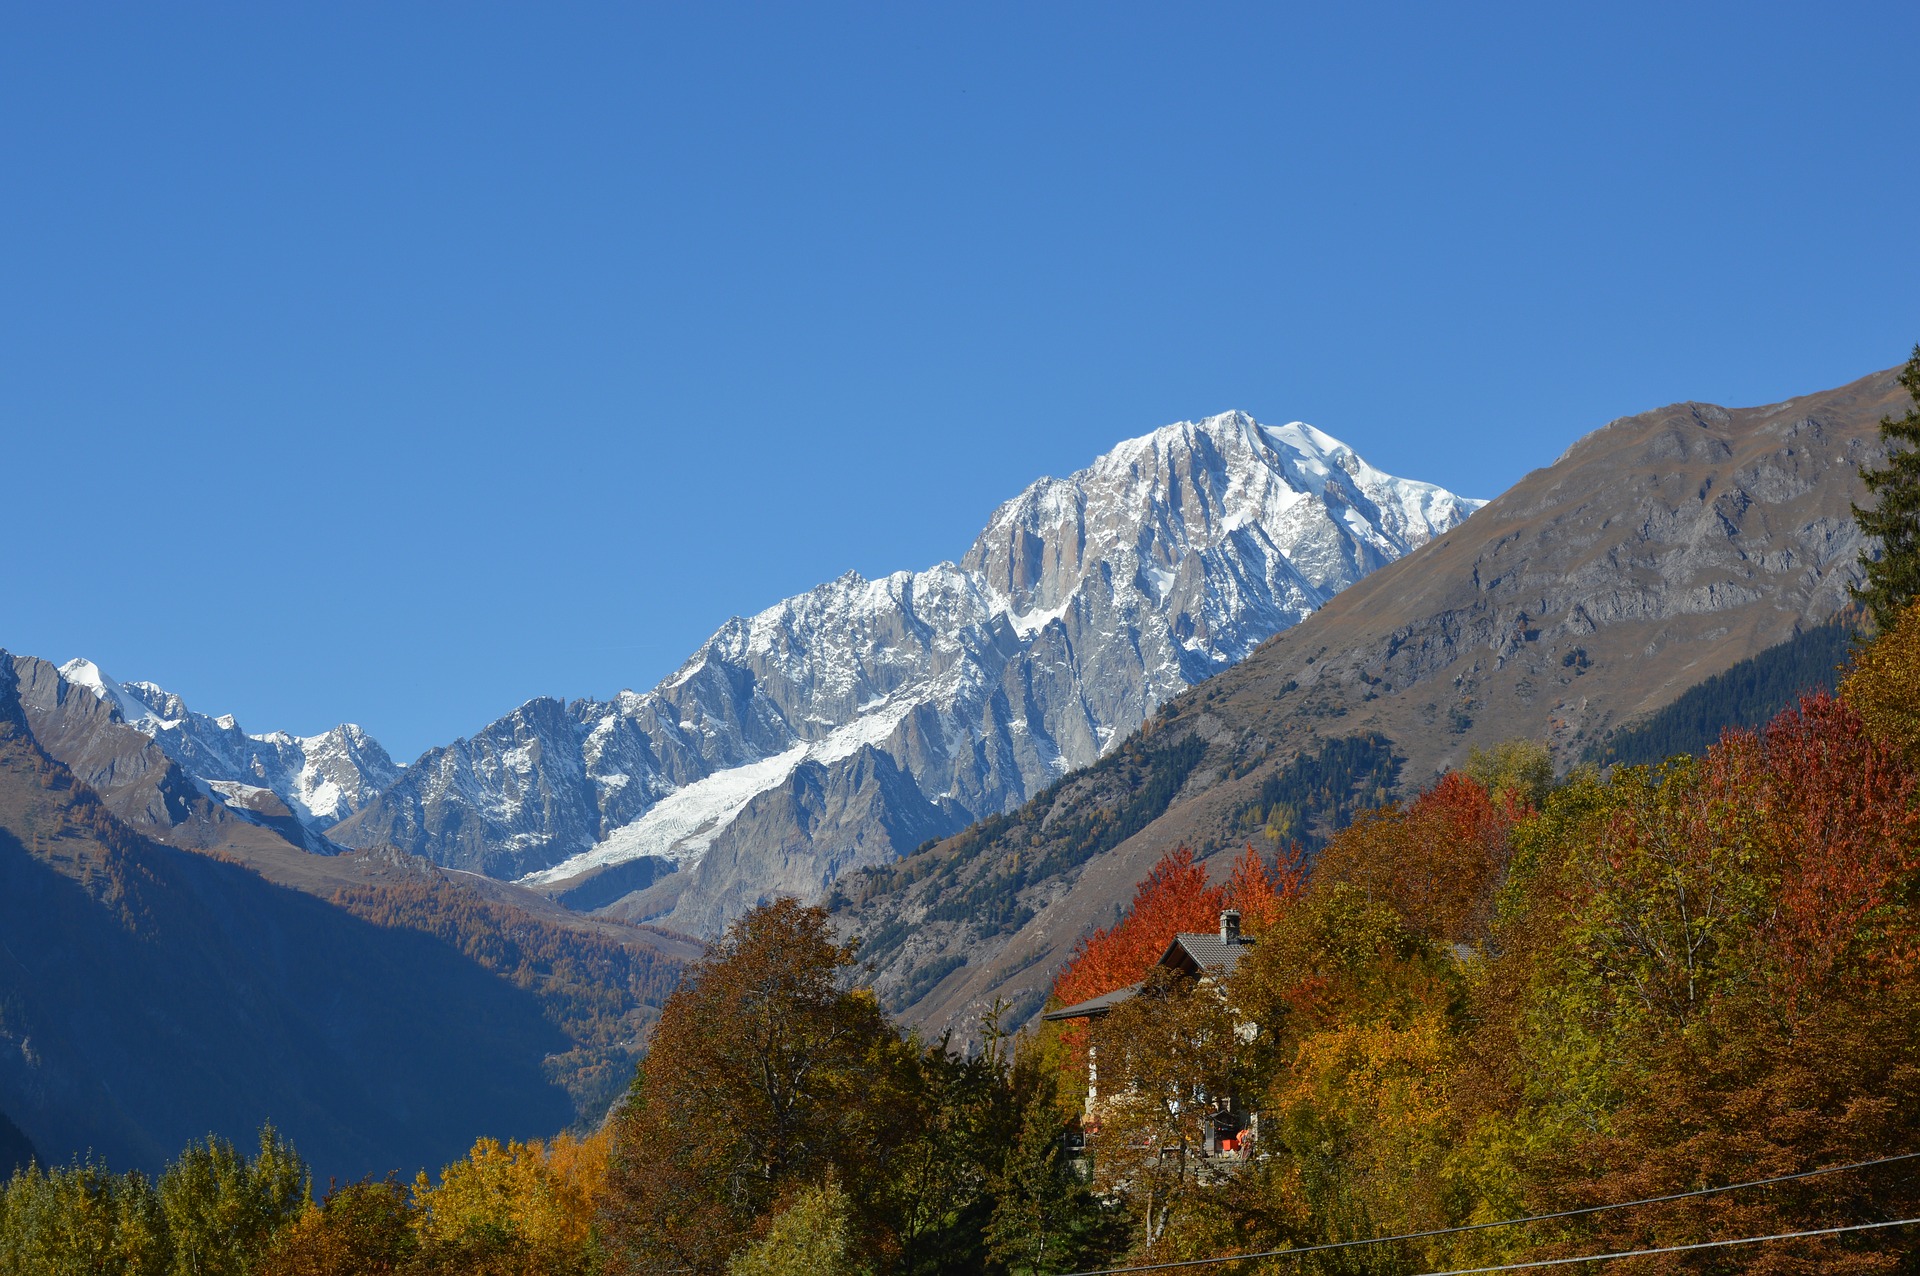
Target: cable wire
[(1673, 1249), (1509, 1222)]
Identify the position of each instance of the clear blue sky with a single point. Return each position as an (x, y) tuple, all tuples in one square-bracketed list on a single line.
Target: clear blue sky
[(397, 363)]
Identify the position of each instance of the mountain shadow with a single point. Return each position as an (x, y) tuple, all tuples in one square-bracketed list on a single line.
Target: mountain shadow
[(149, 996)]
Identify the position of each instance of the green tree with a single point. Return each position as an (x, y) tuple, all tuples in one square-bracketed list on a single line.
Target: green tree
[(1044, 1218), (82, 1219), (1893, 574), (1523, 768), (958, 1115), (811, 1237), (222, 1209)]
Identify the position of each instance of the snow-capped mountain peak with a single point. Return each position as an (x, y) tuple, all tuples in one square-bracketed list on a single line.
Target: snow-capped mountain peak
[(844, 725), (322, 778)]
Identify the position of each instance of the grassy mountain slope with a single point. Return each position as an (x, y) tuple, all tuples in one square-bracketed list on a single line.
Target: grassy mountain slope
[(1659, 551)]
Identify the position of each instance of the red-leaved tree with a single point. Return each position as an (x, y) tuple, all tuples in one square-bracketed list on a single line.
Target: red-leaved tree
[(1175, 898)]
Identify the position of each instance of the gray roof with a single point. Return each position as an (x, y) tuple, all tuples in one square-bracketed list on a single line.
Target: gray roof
[(1094, 1007), (1204, 952), (1195, 954)]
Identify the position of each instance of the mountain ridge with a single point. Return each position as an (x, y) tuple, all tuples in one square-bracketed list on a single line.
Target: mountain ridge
[(1659, 550), (844, 725)]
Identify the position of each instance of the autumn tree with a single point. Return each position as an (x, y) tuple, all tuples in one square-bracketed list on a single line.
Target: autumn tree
[(525, 1208), (82, 1218), (1723, 987), (360, 1229), (1173, 897), (1261, 893), (764, 1074), (222, 1209), (1437, 860), (1169, 1060), (1883, 687), (1522, 768), (810, 1237), (1892, 564)]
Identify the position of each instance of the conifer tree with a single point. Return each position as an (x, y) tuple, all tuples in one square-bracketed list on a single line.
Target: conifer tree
[(1044, 1218), (1893, 573)]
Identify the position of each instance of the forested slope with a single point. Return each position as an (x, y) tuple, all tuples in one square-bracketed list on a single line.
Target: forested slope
[(16, 1149), (1744, 696)]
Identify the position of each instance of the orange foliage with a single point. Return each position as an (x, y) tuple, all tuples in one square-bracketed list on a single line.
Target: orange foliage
[(1175, 898), (1842, 807), (1261, 893), (1437, 860), (1791, 1038)]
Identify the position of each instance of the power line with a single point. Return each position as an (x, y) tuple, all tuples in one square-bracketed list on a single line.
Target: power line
[(1509, 1222), (1673, 1249)]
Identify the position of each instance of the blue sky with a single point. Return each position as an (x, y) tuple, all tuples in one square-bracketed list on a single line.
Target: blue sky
[(397, 363)]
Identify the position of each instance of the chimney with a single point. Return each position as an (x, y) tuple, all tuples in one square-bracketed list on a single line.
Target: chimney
[(1229, 927)]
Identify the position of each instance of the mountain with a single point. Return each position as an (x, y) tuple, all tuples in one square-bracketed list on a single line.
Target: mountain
[(844, 726), (320, 779), (1746, 696), (1660, 550), (16, 1149), (173, 964), (148, 995)]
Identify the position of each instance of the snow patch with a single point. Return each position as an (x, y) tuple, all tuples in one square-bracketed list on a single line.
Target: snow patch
[(682, 825)]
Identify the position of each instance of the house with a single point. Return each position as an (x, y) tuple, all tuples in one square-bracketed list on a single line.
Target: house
[(1203, 957)]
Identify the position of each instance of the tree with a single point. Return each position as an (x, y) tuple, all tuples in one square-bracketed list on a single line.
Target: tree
[(1720, 983), (519, 1207), (960, 1114), (1045, 1219), (1173, 897), (81, 1218), (1169, 1057), (1523, 768), (222, 1209), (764, 1074), (1261, 894), (1439, 859), (1883, 686), (360, 1229), (1893, 573), (811, 1237)]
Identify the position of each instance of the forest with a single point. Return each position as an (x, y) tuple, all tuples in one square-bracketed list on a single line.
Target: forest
[(1514, 995)]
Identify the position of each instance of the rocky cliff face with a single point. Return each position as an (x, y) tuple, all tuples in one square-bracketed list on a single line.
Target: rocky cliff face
[(1658, 551), (843, 727)]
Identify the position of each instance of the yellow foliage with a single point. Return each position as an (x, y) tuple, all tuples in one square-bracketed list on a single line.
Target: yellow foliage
[(809, 1238), (536, 1197), (1523, 768), (1374, 1086), (1884, 685), (1365, 1122)]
